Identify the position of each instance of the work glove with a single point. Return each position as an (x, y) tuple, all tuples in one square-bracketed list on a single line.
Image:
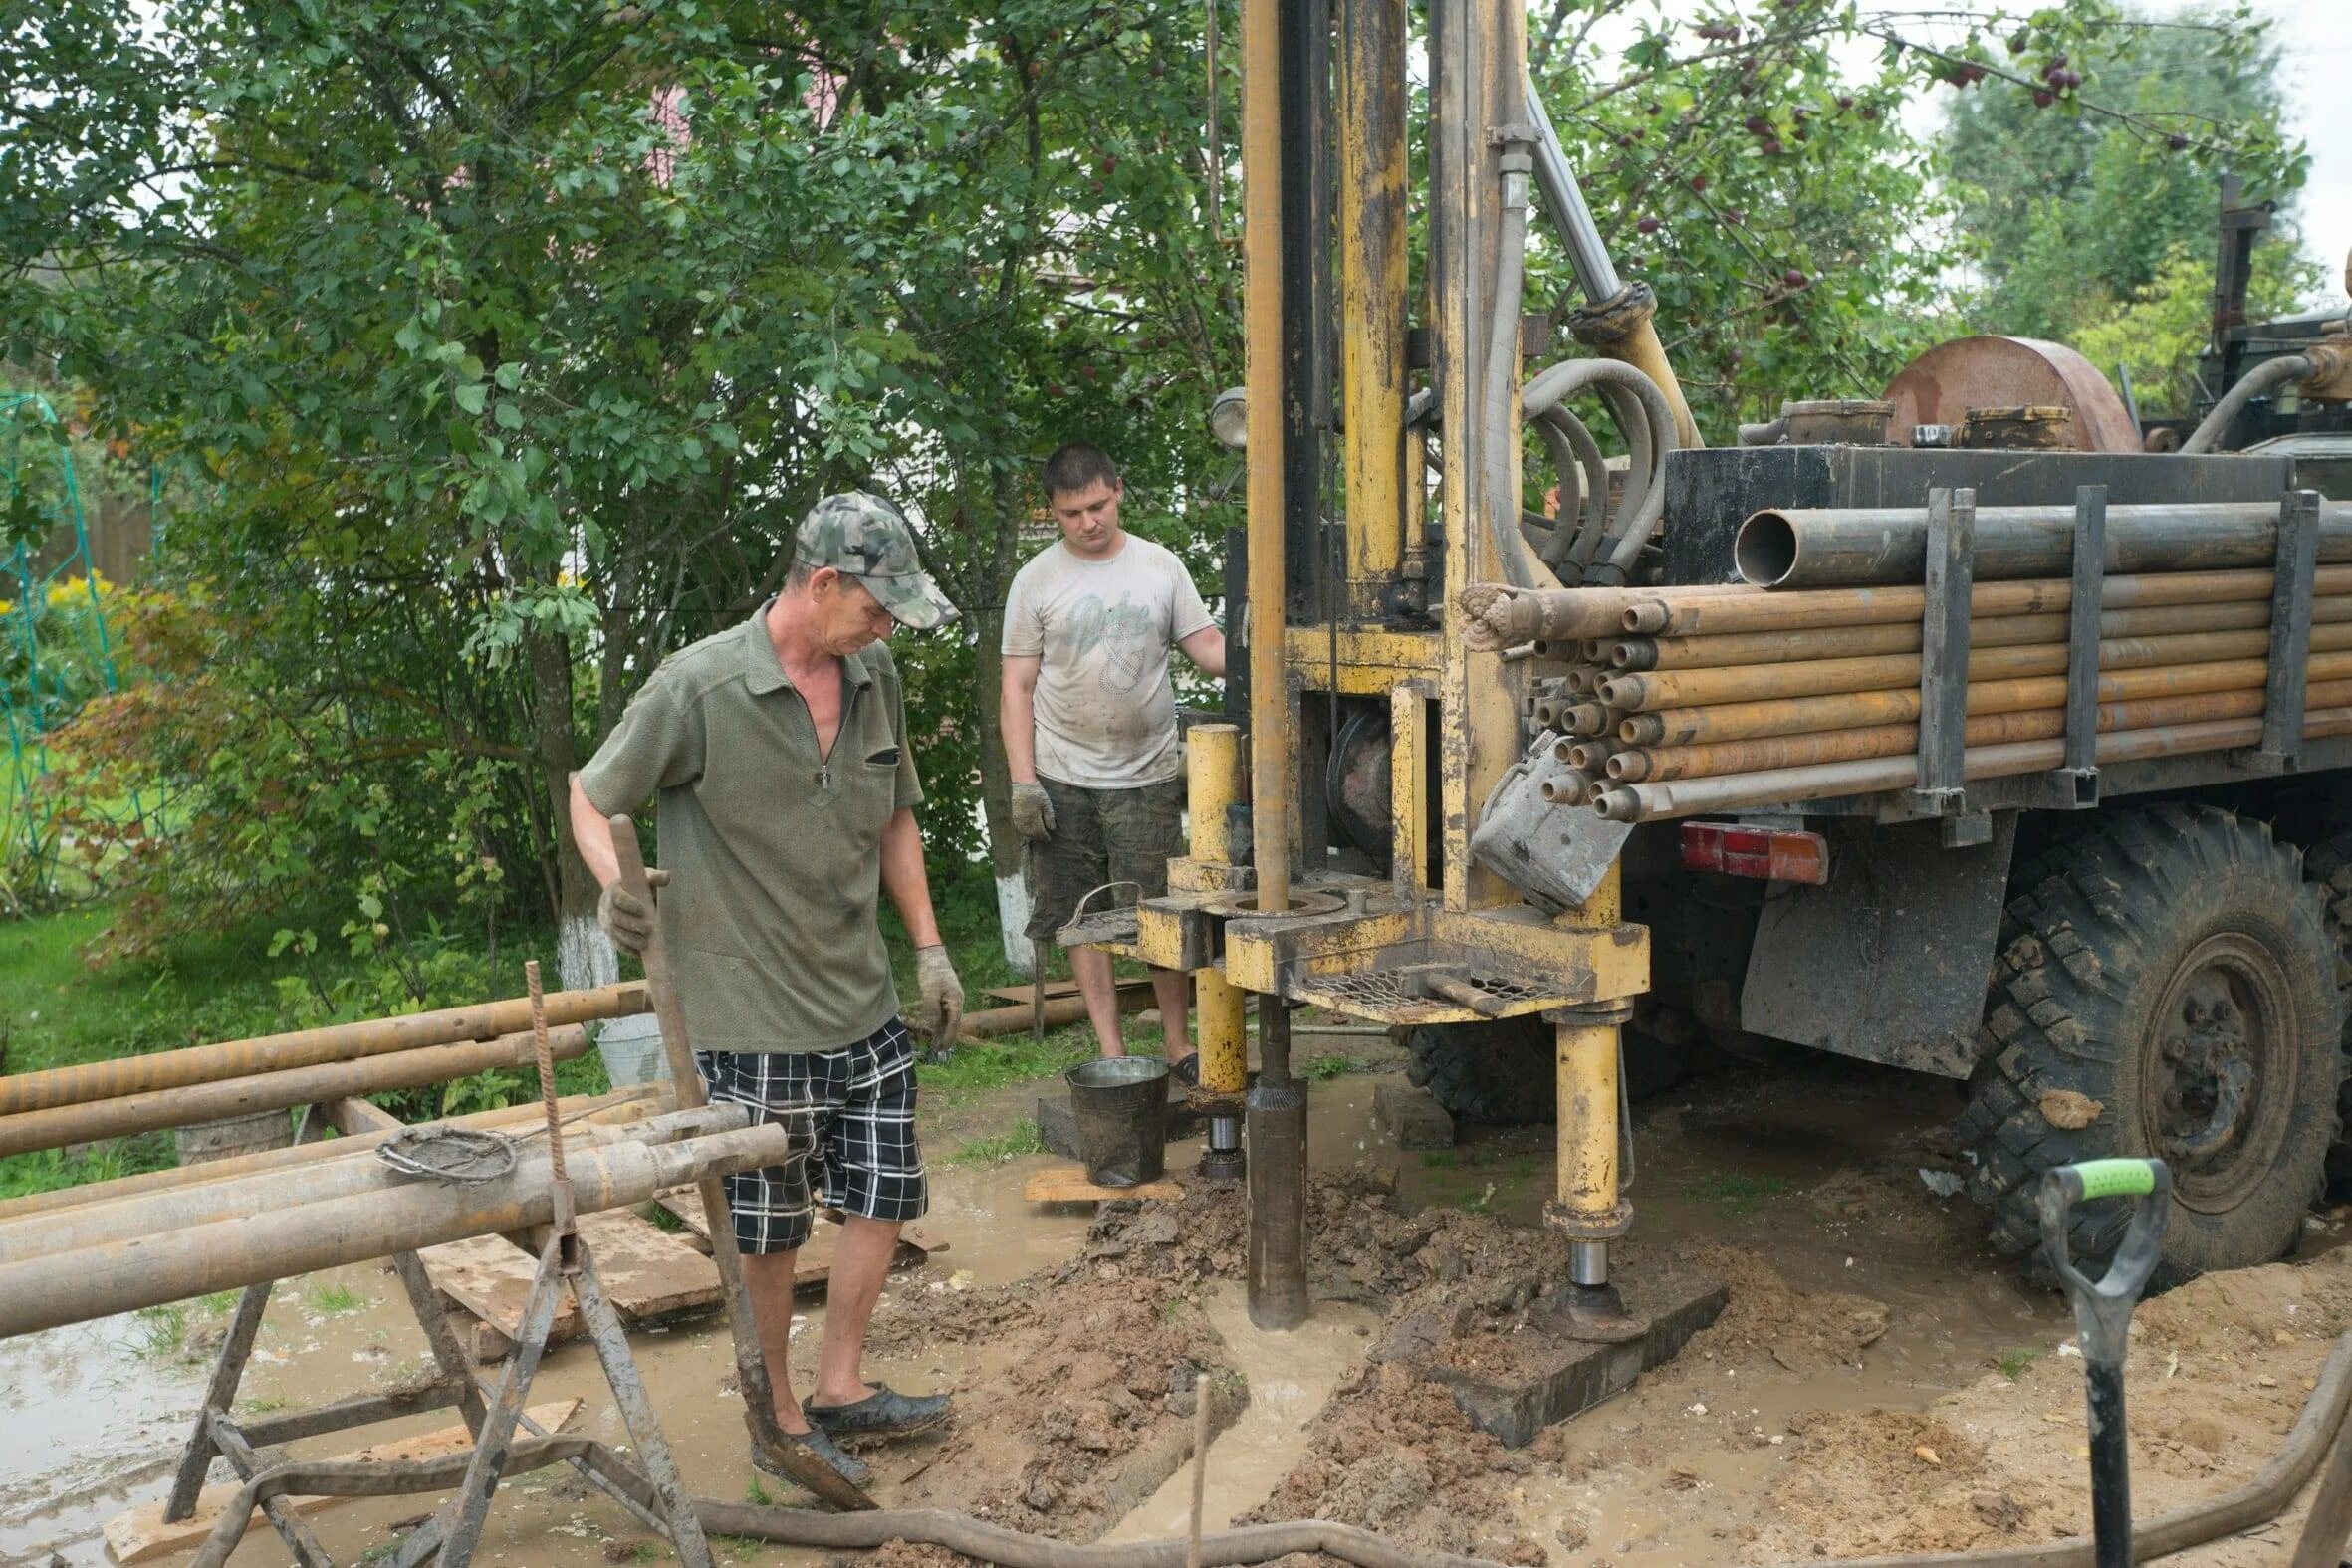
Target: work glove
[(942, 1017), (1032, 811), (626, 918)]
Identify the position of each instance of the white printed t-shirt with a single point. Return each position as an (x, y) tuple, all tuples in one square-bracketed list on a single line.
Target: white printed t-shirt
[(1102, 630)]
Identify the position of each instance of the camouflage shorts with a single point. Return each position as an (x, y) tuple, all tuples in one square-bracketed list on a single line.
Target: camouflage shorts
[(1125, 836)]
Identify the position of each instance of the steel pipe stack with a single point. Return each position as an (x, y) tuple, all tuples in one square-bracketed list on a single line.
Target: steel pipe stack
[(1806, 682)]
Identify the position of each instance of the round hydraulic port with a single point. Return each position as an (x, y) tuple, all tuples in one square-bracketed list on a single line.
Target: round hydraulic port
[(1243, 906)]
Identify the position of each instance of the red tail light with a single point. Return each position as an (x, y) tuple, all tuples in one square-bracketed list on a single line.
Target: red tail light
[(1776, 854)]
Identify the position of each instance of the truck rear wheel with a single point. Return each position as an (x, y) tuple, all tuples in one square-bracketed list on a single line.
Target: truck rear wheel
[(1503, 1074), (2171, 991), (2327, 866)]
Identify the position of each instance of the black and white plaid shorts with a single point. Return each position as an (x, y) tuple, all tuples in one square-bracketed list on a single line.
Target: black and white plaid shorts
[(851, 1115)]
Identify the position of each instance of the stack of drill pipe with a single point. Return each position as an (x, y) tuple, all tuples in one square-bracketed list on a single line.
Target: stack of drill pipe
[(1717, 697)]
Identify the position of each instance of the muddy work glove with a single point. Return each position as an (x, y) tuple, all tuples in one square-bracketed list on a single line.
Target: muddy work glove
[(626, 918), (941, 1018), (1032, 811)]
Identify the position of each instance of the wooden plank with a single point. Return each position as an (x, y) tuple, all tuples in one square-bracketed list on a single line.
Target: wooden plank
[(142, 1535), (648, 1275), (491, 1278), (1068, 1184)]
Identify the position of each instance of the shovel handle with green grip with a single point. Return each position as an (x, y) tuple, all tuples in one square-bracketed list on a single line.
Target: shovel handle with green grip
[(2103, 1318), (751, 1369)]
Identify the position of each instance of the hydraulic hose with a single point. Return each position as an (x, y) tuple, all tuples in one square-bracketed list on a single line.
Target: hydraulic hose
[(1599, 549), (1503, 375), (2262, 379)]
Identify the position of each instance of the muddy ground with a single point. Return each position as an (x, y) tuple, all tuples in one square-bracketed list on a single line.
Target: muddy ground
[(1877, 1383)]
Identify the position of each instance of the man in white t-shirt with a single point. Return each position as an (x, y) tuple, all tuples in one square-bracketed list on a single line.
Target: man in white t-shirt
[(1089, 723)]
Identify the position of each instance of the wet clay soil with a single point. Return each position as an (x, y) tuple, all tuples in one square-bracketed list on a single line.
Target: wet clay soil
[(1877, 1383)]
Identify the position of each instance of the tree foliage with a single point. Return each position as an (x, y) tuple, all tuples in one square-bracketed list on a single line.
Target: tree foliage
[(2070, 211)]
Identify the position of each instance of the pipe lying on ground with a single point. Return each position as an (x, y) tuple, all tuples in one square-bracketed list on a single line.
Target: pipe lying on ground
[(92, 1120), (1827, 677), (1637, 655), (1838, 546), (42, 1235), (617, 1106), (297, 1238), (172, 1069), (1848, 710), (1712, 611), (1645, 802)]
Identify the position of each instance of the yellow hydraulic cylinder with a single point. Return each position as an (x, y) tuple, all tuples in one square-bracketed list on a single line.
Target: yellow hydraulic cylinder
[(1213, 785), (1587, 1205)]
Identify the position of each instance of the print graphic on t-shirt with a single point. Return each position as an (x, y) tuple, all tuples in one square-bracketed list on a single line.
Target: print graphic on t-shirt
[(1125, 633)]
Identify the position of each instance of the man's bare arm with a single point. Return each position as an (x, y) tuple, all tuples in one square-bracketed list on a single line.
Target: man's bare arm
[(904, 880), (593, 834), (1016, 716), (1206, 648)]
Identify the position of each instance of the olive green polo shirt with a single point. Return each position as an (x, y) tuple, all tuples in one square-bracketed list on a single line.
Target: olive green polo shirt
[(774, 851)]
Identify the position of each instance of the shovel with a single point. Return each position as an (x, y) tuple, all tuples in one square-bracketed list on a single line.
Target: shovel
[(2103, 1319)]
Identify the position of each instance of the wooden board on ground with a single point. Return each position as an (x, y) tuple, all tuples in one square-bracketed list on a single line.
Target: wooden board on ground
[(1068, 1184), (142, 1535), (815, 1263), (650, 1278)]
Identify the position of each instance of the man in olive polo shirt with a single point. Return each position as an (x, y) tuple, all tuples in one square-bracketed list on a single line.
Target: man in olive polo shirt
[(786, 786)]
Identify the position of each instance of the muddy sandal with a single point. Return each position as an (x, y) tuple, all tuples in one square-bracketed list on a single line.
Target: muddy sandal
[(816, 1441), (881, 1415), (1188, 1070)]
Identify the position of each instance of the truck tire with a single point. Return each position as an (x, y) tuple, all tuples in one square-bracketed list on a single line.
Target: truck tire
[(2327, 866), (2171, 991), (1502, 1074)]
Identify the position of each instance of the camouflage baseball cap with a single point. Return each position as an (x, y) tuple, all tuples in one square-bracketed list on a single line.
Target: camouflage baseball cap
[(865, 536)]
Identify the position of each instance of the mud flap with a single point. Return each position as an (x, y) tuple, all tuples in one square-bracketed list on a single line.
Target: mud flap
[(1889, 960)]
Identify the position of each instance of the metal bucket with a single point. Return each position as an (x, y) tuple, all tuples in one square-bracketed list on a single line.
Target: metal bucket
[(631, 1049), (1121, 1104), (252, 1133)]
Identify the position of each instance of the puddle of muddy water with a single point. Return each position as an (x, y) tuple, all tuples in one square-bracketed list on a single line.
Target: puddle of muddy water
[(1290, 1376)]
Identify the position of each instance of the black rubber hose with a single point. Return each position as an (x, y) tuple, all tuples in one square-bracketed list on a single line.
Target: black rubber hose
[(2260, 379)]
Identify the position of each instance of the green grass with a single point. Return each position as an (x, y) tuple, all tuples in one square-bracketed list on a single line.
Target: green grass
[(1023, 1139), (2014, 1360), (1325, 1068), (661, 1219), (757, 1494), (161, 1331), (1478, 1187), (1009, 1058), (1734, 1192), (334, 1299)]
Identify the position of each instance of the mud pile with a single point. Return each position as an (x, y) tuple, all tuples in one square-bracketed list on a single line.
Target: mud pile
[(1394, 1454), (1077, 1403)]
